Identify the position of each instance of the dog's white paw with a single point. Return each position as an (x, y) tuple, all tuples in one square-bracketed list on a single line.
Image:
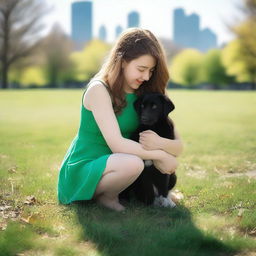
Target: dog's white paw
[(148, 163), (164, 202)]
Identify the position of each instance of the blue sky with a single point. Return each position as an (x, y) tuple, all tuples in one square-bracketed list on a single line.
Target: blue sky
[(155, 15)]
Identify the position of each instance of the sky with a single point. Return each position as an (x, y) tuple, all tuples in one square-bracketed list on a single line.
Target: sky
[(156, 15)]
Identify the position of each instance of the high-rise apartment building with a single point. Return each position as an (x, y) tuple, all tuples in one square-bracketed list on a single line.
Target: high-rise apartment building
[(133, 19), (81, 22), (119, 30), (187, 33), (103, 33)]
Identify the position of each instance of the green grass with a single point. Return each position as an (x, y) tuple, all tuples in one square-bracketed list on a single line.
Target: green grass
[(216, 217)]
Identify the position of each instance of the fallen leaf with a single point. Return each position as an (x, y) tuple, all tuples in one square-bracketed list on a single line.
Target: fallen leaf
[(13, 169), (224, 196), (240, 212), (253, 232), (3, 226), (30, 200), (5, 207), (31, 219)]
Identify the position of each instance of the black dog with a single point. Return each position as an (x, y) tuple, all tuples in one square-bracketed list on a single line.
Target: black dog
[(152, 186)]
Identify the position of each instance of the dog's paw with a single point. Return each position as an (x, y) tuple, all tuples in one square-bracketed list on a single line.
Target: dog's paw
[(148, 163), (164, 202)]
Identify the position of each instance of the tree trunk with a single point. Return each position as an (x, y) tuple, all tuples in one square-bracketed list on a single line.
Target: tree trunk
[(5, 76), (15, 31), (5, 49)]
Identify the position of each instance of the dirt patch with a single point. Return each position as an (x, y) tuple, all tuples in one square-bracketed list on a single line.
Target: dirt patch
[(198, 174), (250, 174)]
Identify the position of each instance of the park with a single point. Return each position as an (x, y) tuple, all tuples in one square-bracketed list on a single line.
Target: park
[(216, 176), (42, 80)]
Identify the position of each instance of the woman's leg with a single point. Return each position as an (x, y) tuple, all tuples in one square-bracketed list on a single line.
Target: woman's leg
[(121, 171)]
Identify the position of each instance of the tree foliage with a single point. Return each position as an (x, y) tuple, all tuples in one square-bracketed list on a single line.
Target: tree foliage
[(20, 24), (33, 76), (214, 71), (186, 67), (234, 61), (246, 36), (56, 50), (89, 60)]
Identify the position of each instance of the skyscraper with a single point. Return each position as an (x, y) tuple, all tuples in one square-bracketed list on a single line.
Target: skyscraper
[(81, 24), (133, 19), (187, 33), (119, 30), (103, 33), (208, 39), (179, 27)]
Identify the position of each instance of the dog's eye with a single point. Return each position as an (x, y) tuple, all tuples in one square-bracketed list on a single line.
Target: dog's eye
[(154, 106)]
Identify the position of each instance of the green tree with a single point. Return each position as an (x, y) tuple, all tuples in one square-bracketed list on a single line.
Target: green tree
[(56, 51), (89, 60), (214, 72), (33, 76), (246, 35), (234, 61), (186, 68), (20, 25)]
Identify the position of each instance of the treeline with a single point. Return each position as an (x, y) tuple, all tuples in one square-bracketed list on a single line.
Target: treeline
[(26, 60)]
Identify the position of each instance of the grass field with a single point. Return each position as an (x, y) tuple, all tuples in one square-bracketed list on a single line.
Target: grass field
[(217, 176)]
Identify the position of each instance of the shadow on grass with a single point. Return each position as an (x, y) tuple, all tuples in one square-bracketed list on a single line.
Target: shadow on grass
[(146, 231)]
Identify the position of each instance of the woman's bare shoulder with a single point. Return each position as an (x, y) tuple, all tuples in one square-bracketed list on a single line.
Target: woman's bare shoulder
[(96, 92)]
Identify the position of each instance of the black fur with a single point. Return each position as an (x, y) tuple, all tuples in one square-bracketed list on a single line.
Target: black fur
[(153, 110)]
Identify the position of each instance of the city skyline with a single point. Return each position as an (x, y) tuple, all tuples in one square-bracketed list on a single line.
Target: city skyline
[(224, 13), (187, 32)]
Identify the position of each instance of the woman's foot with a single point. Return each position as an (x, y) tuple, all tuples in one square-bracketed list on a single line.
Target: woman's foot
[(111, 203)]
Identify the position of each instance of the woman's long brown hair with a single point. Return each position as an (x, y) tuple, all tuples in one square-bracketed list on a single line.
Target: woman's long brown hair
[(132, 44)]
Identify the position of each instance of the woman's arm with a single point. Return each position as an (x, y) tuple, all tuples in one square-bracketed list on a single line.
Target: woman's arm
[(151, 140), (97, 99)]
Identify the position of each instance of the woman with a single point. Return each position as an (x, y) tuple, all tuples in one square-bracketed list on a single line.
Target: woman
[(102, 161)]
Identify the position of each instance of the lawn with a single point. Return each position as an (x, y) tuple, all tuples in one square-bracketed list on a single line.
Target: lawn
[(216, 175)]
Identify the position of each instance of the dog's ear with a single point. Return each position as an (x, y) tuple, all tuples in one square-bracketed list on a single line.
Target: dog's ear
[(137, 104), (168, 105)]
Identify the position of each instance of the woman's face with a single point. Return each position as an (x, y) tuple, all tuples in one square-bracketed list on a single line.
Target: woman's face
[(137, 71)]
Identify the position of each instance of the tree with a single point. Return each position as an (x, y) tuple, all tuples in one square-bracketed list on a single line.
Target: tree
[(20, 24), (33, 76), (56, 51), (89, 60), (234, 61), (186, 69), (214, 71), (246, 35)]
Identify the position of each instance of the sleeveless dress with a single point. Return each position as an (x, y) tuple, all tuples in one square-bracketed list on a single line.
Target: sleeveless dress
[(86, 158)]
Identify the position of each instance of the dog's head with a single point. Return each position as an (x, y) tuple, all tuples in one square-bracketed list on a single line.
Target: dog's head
[(153, 106)]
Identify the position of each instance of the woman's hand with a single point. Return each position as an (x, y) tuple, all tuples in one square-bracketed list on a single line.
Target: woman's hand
[(149, 140), (166, 164), (152, 141)]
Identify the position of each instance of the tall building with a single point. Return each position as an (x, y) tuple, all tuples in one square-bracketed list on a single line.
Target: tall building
[(193, 30), (208, 39), (81, 22), (103, 33), (119, 30), (179, 27), (187, 33), (133, 19)]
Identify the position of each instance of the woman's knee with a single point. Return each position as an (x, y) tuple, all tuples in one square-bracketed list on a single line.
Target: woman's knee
[(136, 164), (125, 162)]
